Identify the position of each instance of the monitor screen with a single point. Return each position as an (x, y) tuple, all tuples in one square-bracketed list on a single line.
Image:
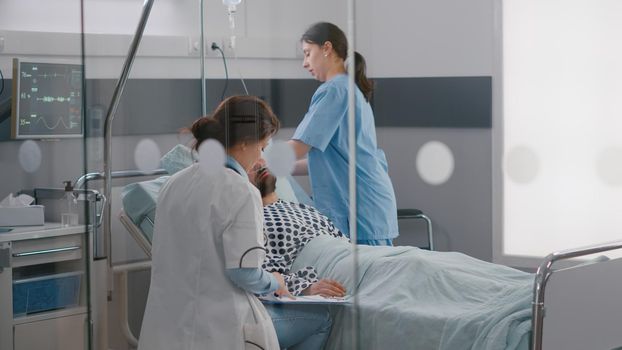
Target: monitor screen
[(47, 100)]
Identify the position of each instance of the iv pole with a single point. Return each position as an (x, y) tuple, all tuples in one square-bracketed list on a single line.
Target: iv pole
[(114, 104)]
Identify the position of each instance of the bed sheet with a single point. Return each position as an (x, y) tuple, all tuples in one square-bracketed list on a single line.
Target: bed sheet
[(416, 299)]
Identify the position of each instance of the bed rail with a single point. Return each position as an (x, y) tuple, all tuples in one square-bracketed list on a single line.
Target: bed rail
[(545, 270), (120, 174), (100, 246), (136, 233)]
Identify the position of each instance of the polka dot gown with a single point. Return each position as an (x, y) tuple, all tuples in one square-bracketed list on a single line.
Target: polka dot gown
[(288, 227)]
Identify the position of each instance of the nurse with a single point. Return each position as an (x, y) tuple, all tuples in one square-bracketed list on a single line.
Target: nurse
[(323, 136), (208, 243)]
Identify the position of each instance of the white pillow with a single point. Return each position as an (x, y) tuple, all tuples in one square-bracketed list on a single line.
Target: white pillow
[(178, 158), (284, 190)]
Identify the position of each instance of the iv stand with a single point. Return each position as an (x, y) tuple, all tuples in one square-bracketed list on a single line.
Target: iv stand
[(114, 104)]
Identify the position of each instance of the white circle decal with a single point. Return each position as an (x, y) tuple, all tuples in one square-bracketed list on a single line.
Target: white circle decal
[(29, 156), (212, 156), (435, 162), (147, 155), (522, 164), (280, 158), (609, 166)]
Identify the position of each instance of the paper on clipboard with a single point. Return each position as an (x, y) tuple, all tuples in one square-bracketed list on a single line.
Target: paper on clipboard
[(304, 299)]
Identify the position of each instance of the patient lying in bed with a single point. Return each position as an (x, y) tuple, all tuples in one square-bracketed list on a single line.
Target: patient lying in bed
[(288, 227), (408, 298)]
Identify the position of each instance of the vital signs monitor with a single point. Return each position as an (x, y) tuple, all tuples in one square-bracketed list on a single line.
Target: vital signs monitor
[(47, 100)]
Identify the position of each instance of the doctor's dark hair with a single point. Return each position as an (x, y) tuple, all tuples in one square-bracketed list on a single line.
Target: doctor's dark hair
[(321, 32), (236, 120)]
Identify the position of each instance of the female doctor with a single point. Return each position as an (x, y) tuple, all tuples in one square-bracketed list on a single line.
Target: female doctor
[(323, 135), (208, 243)]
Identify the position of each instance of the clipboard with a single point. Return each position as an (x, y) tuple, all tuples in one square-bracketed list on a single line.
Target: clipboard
[(304, 299)]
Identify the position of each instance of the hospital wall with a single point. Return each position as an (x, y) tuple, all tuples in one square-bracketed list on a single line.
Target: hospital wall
[(404, 39)]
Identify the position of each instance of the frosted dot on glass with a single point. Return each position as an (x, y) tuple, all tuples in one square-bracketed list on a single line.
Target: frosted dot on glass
[(29, 156), (147, 155), (280, 158), (609, 166), (435, 163), (212, 156), (522, 164)]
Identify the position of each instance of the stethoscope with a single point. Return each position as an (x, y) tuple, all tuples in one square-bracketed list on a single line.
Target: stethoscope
[(230, 166)]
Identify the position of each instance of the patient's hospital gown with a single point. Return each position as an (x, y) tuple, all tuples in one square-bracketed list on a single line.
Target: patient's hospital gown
[(288, 227)]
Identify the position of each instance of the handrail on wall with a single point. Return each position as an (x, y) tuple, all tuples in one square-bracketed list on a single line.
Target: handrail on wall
[(545, 270)]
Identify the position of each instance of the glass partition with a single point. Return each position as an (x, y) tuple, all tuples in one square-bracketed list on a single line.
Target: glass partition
[(133, 118), (143, 79), (46, 230), (220, 169), (192, 56), (140, 118), (576, 84)]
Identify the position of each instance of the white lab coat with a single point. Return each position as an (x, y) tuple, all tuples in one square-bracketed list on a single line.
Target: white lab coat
[(203, 225)]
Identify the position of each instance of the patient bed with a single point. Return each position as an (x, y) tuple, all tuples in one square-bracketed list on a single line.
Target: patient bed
[(429, 306)]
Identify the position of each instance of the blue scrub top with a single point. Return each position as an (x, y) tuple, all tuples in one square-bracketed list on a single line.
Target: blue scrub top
[(325, 129)]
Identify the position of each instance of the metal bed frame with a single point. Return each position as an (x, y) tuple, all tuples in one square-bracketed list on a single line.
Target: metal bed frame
[(544, 272)]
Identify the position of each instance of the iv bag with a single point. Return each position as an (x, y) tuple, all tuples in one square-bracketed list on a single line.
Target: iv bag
[(231, 2), (231, 9)]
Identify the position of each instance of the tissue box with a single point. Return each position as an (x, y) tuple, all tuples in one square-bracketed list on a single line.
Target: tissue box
[(22, 216)]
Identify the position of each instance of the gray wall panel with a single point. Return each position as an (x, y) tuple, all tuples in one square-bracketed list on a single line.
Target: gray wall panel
[(460, 208), (158, 106), (442, 102)]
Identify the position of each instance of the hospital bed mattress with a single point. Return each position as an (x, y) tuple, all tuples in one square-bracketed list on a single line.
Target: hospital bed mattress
[(139, 203), (428, 300), (139, 200)]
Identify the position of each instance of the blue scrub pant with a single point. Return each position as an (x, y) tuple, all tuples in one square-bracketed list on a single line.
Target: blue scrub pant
[(300, 327)]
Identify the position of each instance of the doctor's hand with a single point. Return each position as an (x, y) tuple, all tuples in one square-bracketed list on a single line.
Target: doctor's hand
[(326, 288), (282, 291)]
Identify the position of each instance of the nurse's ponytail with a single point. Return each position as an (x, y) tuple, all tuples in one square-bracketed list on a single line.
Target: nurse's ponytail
[(360, 76), (321, 32), (236, 120)]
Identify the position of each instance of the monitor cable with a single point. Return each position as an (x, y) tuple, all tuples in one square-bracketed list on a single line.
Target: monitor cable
[(237, 67), (2, 81), (224, 62)]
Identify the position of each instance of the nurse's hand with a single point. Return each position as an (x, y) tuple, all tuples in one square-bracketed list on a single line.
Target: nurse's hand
[(326, 288), (282, 291)]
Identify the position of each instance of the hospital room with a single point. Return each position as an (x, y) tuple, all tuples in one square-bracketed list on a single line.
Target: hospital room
[(287, 174)]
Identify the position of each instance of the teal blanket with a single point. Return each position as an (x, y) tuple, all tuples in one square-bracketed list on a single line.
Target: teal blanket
[(416, 299)]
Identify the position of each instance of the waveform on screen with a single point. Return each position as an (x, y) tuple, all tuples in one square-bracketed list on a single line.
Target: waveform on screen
[(50, 126), (53, 99), (51, 75)]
